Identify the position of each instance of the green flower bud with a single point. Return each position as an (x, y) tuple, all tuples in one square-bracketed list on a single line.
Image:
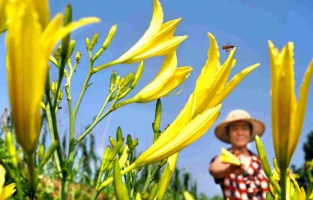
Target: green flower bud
[(129, 141), (137, 75), (157, 119), (41, 152), (11, 148), (118, 78), (78, 56), (112, 141), (263, 158), (71, 48), (60, 96), (119, 134), (107, 41), (49, 153), (112, 81), (154, 191), (53, 87), (94, 40), (87, 41), (120, 189), (57, 53)]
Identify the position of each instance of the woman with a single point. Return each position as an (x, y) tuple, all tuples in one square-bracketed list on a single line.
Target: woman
[(249, 180)]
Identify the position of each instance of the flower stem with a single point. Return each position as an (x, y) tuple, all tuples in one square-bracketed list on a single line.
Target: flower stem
[(148, 180), (283, 184), (31, 171)]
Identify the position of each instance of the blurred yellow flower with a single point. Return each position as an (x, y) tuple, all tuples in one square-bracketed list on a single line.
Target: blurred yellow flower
[(2, 15), (8, 190), (287, 113), (188, 196), (228, 157), (27, 63), (158, 40)]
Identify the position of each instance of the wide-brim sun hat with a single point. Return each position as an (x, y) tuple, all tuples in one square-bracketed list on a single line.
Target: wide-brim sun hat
[(239, 115)]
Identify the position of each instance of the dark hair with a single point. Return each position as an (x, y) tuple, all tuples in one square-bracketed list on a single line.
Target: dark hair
[(249, 124)]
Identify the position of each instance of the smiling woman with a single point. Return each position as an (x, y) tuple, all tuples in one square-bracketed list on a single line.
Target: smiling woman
[(246, 180)]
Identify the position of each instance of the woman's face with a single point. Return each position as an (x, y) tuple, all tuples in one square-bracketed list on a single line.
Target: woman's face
[(239, 133)]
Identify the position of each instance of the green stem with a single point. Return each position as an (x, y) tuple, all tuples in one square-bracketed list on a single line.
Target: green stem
[(104, 66), (283, 182), (99, 118), (31, 171), (54, 137), (148, 180)]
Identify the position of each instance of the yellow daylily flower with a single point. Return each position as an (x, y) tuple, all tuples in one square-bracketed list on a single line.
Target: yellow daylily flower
[(287, 113), (8, 190), (28, 52), (188, 196), (2, 15), (212, 82), (302, 194), (198, 114), (166, 176), (168, 79), (158, 40), (228, 157)]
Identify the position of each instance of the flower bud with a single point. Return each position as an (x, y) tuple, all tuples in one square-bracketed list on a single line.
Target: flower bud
[(262, 156), (137, 75), (107, 41), (129, 140), (120, 189), (53, 87), (157, 119), (11, 148), (71, 48), (118, 78), (112, 141), (60, 96), (78, 56), (119, 134), (94, 40), (87, 41), (57, 53), (49, 153), (41, 152), (112, 81)]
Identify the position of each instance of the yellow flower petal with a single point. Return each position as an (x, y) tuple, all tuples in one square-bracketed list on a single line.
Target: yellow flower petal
[(180, 75), (42, 7), (190, 132), (2, 15), (175, 128), (2, 177), (301, 108), (158, 49), (228, 157), (222, 94), (188, 196), (27, 72), (167, 71), (7, 191), (167, 175), (202, 89), (302, 194)]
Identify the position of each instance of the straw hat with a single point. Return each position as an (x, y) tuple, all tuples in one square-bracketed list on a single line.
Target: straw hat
[(236, 115)]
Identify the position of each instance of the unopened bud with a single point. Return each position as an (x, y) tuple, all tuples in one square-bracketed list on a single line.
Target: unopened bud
[(157, 118), (137, 75), (94, 40), (41, 152), (107, 41), (11, 148), (87, 41), (60, 96), (112, 81), (78, 56), (71, 48), (112, 141), (118, 78), (262, 156), (53, 87), (119, 134)]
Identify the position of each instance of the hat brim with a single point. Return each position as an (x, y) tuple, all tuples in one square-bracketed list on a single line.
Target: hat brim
[(258, 129)]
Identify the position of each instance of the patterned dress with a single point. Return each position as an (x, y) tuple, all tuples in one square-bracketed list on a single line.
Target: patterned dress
[(251, 185)]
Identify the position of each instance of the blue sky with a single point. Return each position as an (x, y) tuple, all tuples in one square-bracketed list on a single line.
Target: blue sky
[(246, 24)]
